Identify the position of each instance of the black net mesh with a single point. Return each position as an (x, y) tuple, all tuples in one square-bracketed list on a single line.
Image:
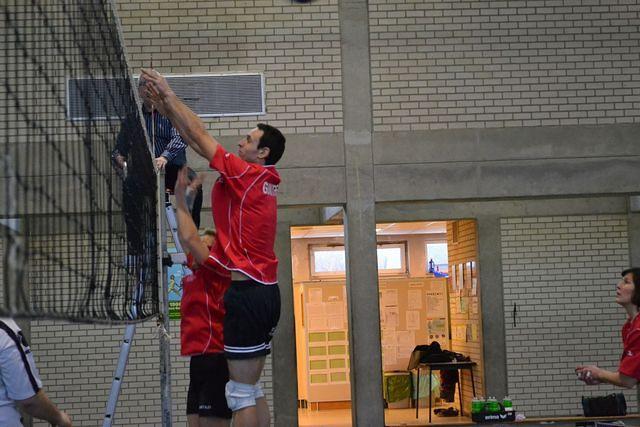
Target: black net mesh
[(79, 231)]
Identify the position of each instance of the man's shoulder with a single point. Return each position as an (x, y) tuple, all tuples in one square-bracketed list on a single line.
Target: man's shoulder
[(9, 325)]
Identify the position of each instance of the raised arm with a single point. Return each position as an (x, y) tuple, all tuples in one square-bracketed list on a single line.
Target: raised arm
[(185, 121), (187, 231)]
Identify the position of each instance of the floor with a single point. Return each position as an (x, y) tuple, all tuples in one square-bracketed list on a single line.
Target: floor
[(342, 418)]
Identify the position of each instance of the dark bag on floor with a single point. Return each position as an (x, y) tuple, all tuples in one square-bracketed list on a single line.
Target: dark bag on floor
[(602, 406)]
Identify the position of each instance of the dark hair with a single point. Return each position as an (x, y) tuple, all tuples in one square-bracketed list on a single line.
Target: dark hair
[(273, 139), (635, 299)]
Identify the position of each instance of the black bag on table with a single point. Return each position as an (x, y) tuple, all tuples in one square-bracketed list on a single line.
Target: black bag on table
[(602, 406)]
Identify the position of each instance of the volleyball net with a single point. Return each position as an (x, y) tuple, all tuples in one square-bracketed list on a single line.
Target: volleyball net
[(78, 222)]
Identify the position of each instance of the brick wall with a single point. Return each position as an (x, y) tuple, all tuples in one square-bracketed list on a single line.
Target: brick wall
[(297, 47), (560, 272), (463, 250), (76, 364), (464, 64)]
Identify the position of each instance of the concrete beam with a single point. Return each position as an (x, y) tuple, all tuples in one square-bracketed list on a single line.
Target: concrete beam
[(449, 210), (481, 145), (507, 179)]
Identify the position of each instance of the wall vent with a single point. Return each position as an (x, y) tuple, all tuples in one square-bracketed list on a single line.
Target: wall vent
[(208, 95)]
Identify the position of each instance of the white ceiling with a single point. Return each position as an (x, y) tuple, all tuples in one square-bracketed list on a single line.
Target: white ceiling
[(384, 229)]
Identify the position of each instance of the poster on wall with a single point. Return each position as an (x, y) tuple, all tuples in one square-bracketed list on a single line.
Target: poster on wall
[(436, 304), (389, 355), (413, 320), (389, 298), (452, 278), (437, 329), (414, 299), (175, 273)]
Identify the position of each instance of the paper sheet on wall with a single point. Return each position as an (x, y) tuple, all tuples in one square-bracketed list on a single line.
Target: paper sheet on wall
[(315, 310), (389, 337), (454, 282), (413, 320), (391, 320), (414, 299), (406, 339), (315, 295), (474, 286), (335, 322), (404, 352), (474, 332), (460, 333), (389, 298), (436, 305), (474, 306), (334, 308), (389, 356), (460, 276), (437, 328), (317, 323), (464, 305)]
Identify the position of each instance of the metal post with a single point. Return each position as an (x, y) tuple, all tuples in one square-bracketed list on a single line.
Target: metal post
[(118, 375), (163, 316)]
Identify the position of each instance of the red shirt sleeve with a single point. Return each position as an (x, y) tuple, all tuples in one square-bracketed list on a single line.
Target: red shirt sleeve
[(630, 363), (229, 165)]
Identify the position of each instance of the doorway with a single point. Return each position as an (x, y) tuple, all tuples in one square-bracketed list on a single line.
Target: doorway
[(429, 291)]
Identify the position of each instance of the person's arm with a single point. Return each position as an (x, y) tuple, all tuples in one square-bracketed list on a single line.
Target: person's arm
[(592, 375), (187, 231), (175, 145), (39, 406), (187, 123), (198, 151)]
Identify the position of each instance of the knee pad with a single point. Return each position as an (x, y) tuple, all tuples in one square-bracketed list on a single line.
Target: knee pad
[(257, 391), (239, 395)]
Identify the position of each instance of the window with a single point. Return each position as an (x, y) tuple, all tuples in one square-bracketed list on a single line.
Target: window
[(437, 252), (330, 261), (391, 258)]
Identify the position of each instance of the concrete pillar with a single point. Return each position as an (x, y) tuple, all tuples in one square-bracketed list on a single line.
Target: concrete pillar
[(285, 373), (634, 231), (492, 304), (360, 234)]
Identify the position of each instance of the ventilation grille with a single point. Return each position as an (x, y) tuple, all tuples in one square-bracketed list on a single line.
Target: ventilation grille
[(96, 98), (208, 95)]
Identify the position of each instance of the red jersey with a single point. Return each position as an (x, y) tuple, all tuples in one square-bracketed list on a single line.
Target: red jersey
[(630, 361), (202, 312), (244, 205)]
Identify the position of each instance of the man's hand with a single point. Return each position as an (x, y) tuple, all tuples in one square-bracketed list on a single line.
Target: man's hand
[(120, 161), (156, 89), (589, 374), (161, 162), (65, 420)]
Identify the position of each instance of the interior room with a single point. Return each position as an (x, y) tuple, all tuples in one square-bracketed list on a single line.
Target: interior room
[(428, 292)]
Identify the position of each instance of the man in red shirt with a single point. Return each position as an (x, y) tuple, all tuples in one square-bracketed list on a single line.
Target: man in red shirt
[(244, 211), (201, 321)]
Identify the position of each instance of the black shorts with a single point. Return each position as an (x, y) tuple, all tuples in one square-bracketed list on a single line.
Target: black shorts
[(252, 311), (208, 375)]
